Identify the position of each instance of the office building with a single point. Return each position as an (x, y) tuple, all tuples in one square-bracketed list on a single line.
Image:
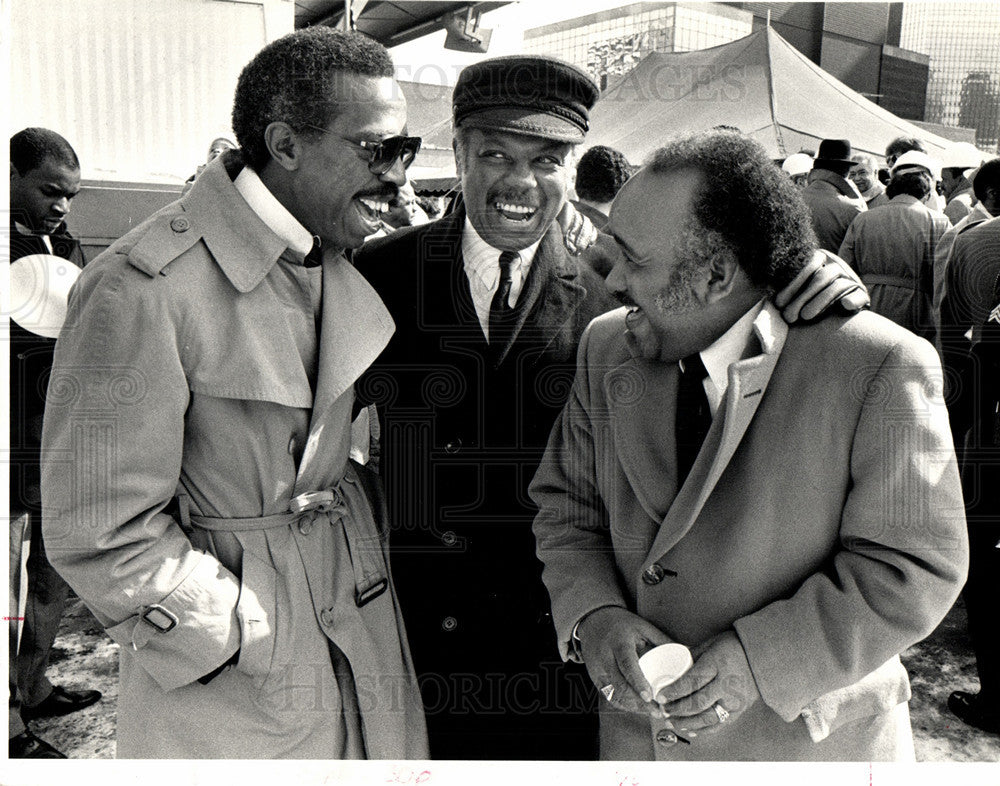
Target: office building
[(963, 42), (609, 43)]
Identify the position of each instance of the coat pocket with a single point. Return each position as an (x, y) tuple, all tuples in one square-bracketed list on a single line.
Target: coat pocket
[(257, 613)]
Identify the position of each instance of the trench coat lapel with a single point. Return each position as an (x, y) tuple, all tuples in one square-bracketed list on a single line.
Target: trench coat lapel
[(748, 380), (355, 328)]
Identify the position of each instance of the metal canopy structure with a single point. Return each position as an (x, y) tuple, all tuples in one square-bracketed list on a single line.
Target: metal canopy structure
[(390, 23)]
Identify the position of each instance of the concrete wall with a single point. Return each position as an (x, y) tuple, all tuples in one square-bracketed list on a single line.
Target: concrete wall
[(138, 87)]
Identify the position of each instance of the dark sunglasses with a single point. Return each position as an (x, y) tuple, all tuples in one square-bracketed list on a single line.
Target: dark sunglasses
[(382, 155)]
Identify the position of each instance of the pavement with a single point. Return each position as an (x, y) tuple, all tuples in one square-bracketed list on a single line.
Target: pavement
[(84, 657)]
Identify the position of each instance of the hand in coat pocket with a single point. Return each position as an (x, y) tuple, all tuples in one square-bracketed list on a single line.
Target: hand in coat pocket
[(611, 641), (720, 677)]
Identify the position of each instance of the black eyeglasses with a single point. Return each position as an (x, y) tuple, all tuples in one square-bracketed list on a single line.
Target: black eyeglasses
[(383, 154)]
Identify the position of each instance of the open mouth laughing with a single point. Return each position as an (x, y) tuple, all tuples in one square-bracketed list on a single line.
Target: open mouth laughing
[(371, 208), (515, 212)]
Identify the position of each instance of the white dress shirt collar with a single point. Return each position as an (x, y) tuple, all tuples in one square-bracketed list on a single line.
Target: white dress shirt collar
[(272, 212), (730, 347), (482, 266), (484, 260)]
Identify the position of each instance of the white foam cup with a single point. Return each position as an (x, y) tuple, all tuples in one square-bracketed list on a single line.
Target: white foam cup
[(665, 664)]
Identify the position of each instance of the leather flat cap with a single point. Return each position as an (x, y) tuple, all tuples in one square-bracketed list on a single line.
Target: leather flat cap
[(534, 96)]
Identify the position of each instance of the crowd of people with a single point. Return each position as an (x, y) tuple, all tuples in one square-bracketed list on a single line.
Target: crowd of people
[(659, 412)]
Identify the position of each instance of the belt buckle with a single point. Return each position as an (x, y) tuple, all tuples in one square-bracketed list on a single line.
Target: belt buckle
[(311, 500), (160, 618)]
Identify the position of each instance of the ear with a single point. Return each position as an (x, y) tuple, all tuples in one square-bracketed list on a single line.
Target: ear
[(723, 275), (459, 157), (284, 145)]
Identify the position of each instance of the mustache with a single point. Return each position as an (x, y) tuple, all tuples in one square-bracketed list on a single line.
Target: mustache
[(512, 197), (625, 300), (387, 193)]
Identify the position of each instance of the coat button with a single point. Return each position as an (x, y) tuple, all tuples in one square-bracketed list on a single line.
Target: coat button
[(449, 538), (305, 526), (653, 574), (454, 446), (326, 617), (666, 737), (180, 224), (449, 624), (292, 444)]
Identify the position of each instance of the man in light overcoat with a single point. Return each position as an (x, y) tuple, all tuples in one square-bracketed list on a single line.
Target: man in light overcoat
[(196, 484), (804, 538)]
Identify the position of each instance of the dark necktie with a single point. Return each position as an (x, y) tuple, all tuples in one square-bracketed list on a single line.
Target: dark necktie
[(315, 256), (694, 417), (501, 314)]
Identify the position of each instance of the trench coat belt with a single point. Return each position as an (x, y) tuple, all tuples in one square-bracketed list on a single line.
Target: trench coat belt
[(346, 502), (893, 281)]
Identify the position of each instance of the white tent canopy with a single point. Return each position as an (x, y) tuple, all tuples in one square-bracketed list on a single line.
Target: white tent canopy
[(760, 84)]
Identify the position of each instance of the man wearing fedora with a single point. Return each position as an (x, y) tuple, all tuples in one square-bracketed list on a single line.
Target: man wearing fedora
[(489, 308), (833, 200), (44, 178)]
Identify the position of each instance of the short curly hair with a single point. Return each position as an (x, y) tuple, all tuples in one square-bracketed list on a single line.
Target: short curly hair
[(748, 201), (904, 144), (294, 80), (917, 184), (31, 147), (600, 173)]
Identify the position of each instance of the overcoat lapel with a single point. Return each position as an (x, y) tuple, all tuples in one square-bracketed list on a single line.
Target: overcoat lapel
[(355, 328), (642, 400), (551, 294), (748, 380)]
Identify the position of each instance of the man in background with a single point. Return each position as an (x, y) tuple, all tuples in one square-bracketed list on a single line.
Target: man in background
[(600, 174), (892, 247), (986, 187), (864, 175), (44, 179), (906, 144), (958, 159), (973, 301), (832, 199)]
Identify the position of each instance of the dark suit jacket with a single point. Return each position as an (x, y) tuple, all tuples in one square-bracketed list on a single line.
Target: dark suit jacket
[(30, 364), (461, 439)]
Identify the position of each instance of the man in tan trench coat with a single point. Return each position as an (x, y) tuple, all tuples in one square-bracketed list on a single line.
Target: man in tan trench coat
[(196, 483), (819, 531)]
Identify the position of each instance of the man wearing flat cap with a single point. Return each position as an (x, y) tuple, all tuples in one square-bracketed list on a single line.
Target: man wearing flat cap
[(833, 200), (489, 307)]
